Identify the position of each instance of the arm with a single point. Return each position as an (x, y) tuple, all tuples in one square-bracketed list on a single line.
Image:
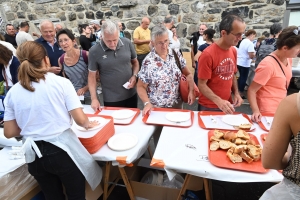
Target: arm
[(11, 129), (285, 123), (196, 57), (137, 41), (224, 105), (14, 70), (141, 88), (81, 91), (190, 80), (135, 70), (81, 119), (252, 90), (251, 55), (237, 99), (92, 85), (193, 56)]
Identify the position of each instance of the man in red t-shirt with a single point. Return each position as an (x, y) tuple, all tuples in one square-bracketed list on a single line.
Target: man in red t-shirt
[(216, 73)]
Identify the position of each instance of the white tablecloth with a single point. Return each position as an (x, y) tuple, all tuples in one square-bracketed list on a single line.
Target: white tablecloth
[(138, 128), (172, 150)]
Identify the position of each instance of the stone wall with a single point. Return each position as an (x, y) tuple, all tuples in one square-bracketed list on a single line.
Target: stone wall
[(258, 14)]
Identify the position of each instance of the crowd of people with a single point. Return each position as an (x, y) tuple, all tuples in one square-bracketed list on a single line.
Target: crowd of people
[(50, 72)]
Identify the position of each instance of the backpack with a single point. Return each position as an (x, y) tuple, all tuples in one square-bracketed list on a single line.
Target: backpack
[(62, 58), (263, 50)]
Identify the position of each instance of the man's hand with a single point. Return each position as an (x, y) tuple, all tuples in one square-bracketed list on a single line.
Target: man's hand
[(147, 109), (191, 98), (54, 69), (92, 124), (237, 100), (225, 106), (95, 105), (132, 82), (81, 91), (194, 65)]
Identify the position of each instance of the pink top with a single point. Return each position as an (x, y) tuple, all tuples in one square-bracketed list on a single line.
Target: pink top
[(274, 83)]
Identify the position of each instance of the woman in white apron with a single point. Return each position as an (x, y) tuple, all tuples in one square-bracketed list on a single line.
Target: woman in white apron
[(40, 108)]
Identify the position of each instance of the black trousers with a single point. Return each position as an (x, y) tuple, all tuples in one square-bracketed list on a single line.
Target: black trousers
[(140, 58), (127, 103)]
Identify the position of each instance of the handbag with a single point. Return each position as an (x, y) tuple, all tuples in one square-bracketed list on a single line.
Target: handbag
[(183, 84)]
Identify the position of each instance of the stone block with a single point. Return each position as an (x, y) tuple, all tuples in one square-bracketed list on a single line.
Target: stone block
[(21, 15), (31, 17), (251, 14), (274, 20), (155, 2), (128, 3), (108, 14), (120, 14), (219, 5), (152, 10), (80, 15), (98, 1), (191, 18), (214, 10), (10, 16), (185, 7), (40, 10), (24, 6), (132, 25), (181, 30), (141, 11), (192, 29), (61, 16), (278, 2), (173, 9), (242, 11), (89, 15), (166, 1), (127, 35), (43, 1), (72, 16), (114, 8), (74, 1), (260, 5), (99, 15), (79, 8), (247, 2)]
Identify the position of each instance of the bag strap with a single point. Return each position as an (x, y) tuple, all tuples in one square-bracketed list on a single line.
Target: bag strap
[(177, 59), (61, 59), (286, 85)]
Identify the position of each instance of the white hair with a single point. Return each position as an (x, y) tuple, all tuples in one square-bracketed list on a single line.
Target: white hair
[(109, 27)]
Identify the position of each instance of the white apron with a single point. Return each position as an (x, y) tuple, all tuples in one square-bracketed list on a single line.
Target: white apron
[(69, 142)]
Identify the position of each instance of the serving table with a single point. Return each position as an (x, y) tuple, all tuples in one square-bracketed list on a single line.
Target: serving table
[(174, 154), (123, 158)]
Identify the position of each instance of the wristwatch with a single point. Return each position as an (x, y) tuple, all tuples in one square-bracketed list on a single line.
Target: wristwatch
[(135, 75), (146, 103)]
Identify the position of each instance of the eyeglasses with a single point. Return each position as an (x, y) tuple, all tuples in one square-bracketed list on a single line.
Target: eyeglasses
[(63, 41), (237, 34), (296, 31), (163, 43)]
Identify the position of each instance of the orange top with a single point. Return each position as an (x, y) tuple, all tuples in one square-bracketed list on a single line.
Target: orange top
[(274, 83)]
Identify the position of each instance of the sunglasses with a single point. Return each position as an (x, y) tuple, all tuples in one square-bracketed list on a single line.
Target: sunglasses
[(296, 31)]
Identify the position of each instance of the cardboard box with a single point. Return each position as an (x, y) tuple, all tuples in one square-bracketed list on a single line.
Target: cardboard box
[(153, 192)]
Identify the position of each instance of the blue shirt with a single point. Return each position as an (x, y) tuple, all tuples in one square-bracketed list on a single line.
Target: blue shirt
[(54, 52)]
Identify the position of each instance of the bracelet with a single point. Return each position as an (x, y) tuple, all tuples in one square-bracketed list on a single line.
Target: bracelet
[(146, 103)]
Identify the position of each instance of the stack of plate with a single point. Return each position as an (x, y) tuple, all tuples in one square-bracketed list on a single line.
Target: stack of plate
[(153, 177), (93, 140)]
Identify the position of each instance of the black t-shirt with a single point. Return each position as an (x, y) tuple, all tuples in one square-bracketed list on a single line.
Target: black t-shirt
[(86, 43), (11, 39)]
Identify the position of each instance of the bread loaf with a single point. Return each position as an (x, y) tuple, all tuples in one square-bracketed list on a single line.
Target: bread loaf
[(218, 134), (245, 127), (245, 156), (225, 144), (230, 136)]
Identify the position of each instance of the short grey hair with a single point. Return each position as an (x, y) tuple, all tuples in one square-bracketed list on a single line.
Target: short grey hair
[(157, 31), (169, 20), (110, 27), (46, 21)]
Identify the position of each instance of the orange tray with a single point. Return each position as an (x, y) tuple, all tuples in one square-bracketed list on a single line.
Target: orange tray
[(261, 124), (202, 125), (168, 110), (120, 108), (219, 159), (262, 137)]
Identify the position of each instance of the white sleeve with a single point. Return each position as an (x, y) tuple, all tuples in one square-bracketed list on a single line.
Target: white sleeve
[(70, 95), (29, 37), (9, 113)]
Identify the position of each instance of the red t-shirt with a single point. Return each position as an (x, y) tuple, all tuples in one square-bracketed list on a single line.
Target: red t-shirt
[(218, 66)]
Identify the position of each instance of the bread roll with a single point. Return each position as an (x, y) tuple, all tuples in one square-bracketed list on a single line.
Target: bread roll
[(243, 135), (218, 134), (225, 144), (245, 127), (230, 136), (245, 156), (214, 145), (214, 138)]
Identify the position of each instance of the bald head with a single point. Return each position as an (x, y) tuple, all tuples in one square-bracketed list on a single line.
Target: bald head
[(48, 31), (145, 23)]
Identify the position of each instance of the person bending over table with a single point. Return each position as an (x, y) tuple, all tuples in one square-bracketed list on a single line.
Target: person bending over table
[(273, 74), (217, 68), (284, 131), (42, 116), (159, 77)]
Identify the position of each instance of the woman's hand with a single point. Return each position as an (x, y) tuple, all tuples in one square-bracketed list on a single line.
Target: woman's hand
[(256, 116), (191, 98), (147, 109), (81, 91), (92, 124)]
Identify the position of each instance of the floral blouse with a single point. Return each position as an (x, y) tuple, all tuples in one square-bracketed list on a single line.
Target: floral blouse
[(162, 78)]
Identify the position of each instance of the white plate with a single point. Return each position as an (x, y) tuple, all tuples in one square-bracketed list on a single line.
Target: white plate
[(178, 116), (101, 121), (235, 120), (123, 114), (122, 141)]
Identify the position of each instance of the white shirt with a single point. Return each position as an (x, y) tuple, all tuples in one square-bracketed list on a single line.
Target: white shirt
[(7, 74), (22, 37), (199, 42), (175, 44), (9, 46), (246, 47), (45, 112)]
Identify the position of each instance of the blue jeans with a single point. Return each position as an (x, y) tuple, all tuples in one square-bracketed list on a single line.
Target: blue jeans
[(244, 71), (55, 169)]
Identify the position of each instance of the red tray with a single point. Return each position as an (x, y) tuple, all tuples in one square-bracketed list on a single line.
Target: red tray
[(261, 124), (219, 159), (202, 125), (169, 110), (120, 108)]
